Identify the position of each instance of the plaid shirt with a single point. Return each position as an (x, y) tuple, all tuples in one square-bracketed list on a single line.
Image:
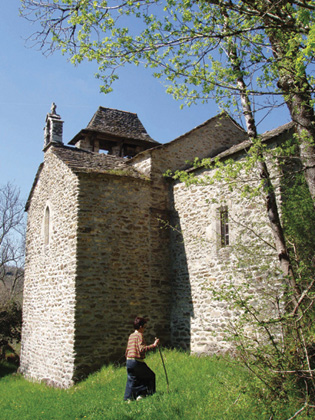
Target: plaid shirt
[(136, 347)]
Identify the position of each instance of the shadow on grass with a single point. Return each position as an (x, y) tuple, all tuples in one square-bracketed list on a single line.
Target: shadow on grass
[(7, 369)]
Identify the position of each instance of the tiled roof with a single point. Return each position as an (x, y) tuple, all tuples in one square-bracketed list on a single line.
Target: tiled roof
[(119, 123)]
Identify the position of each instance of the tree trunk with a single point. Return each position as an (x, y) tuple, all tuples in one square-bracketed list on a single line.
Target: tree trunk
[(302, 114), (270, 197), (294, 84)]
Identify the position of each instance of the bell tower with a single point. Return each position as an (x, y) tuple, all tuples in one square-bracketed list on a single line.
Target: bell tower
[(114, 132)]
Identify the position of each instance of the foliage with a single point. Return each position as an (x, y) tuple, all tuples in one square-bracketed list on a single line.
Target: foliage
[(184, 41), (274, 344), (299, 220), (200, 388), (235, 52), (10, 325)]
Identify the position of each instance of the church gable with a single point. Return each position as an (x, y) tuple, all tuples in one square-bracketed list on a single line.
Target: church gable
[(206, 140)]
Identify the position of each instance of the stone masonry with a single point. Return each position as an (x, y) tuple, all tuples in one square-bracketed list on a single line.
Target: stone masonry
[(110, 237), (50, 284)]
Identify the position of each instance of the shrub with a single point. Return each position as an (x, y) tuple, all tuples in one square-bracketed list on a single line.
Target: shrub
[(10, 326)]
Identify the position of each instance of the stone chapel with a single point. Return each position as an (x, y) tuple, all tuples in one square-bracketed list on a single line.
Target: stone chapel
[(109, 237)]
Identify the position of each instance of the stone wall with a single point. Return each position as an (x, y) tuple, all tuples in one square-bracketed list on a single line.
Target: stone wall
[(200, 262), (198, 323), (122, 271), (208, 139), (47, 351), (100, 261)]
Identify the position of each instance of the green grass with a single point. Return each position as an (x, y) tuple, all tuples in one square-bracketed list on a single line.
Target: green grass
[(200, 388)]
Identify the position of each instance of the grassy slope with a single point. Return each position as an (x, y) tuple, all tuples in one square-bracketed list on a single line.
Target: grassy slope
[(200, 388)]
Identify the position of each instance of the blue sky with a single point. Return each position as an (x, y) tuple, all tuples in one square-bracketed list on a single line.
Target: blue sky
[(30, 82)]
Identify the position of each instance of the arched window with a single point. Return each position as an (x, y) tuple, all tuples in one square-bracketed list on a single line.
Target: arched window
[(47, 225)]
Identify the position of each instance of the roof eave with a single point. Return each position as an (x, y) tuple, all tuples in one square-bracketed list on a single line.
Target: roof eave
[(267, 137), (137, 140)]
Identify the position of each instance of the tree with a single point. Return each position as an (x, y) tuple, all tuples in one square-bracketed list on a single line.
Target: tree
[(281, 353), (11, 264), (11, 240), (186, 42), (183, 41), (10, 327), (289, 26)]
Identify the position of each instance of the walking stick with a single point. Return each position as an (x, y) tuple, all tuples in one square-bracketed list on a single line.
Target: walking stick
[(164, 368)]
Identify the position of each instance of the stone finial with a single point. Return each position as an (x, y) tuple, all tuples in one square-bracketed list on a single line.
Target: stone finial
[(53, 109), (53, 128)]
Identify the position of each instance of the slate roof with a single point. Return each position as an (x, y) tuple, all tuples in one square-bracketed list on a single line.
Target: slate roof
[(265, 137), (276, 133), (83, 161), (80, 160), (117, 123)]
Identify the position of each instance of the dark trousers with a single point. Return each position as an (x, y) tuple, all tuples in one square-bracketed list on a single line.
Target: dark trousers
[(140, 380)]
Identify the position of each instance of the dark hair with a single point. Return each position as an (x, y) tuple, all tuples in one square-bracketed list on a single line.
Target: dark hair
[(139, 322)]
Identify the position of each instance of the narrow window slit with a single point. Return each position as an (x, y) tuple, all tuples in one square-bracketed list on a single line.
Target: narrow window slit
[(47, 226), (224, 222)]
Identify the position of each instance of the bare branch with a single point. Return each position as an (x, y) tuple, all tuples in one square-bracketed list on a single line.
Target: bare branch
[(11, 240)]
